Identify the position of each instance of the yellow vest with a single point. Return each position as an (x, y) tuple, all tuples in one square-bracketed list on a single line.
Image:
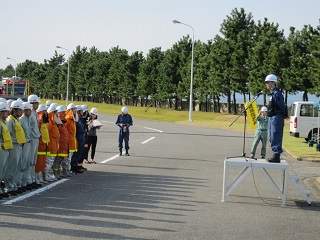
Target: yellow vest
[(20, 136), (7, 141), (44, 133)]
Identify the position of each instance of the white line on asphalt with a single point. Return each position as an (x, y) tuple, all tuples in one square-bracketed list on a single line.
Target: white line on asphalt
[(40, 190), (153, 129), (110, 159), (107, 121), (148, 140)]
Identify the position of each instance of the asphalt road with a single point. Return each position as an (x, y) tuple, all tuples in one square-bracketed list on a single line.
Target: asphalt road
[(170, 187)]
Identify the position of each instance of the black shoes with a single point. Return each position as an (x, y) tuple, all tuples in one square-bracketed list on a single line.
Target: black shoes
[(76, 169), (120, 151), (5, 195), (274, 159), (12, 193), (127, 152)]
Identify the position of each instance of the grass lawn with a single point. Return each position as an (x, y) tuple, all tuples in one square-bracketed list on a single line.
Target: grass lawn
[(296, 147)]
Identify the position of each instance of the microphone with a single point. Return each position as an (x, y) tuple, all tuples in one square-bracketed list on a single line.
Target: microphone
[(258, 94)]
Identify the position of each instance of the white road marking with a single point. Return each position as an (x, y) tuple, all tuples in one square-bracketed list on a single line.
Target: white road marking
[(40, 190), (153, 129), (107, 121), (148, 140), (110, 159)]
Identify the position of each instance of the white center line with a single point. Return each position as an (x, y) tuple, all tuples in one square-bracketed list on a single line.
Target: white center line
[(40, 190), (153, 129), (110, 159), (148, 140)]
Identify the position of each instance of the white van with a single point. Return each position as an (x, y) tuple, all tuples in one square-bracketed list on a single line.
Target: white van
[(304, 122)]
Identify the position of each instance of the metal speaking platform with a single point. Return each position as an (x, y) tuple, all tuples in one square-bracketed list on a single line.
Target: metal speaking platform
[(248, 164)]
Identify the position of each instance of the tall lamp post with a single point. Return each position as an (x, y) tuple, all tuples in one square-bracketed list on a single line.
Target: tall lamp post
[(67, 95), (191, 80), (15, 69)]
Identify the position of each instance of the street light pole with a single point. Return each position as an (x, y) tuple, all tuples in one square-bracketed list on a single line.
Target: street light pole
[(191, 80), (68, 74), (15, 69)]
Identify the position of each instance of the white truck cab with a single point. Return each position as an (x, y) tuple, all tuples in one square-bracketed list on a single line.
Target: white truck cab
[(304, 121)]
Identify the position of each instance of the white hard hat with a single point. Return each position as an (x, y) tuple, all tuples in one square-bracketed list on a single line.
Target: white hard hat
[(3, 100), (271, 78), (61, 108), (79, 108), (48, 103), (84, 107), (16, 104), (124, 110), (71, 106), (9, 101), (41, 107), (94, 111), (51, 109), (26, 105), (264, 109), (33, 99), (4, 106), (55, 105), (20, 100)]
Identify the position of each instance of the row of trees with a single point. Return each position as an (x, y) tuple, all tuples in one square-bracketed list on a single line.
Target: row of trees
[(236, 61)]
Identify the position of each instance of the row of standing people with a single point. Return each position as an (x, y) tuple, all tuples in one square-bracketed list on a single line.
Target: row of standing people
[(40, 144)]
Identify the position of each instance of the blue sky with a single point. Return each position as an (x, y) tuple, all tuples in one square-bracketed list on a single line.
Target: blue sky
[(31, 29)]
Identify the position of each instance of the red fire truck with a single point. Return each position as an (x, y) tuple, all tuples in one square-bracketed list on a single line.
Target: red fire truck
[(15, 87)]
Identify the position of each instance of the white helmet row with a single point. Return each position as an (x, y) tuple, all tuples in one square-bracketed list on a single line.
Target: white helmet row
[(94, 111), (124, 110), (4, 107), (41, 107)]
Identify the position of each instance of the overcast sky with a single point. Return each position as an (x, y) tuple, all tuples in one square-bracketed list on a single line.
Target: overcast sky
[(31, 29)]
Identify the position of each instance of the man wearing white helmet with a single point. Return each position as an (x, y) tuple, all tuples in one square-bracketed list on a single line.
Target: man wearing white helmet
[(72, 118), (92, 135), (44, 139), (124, 121), (261, 133), (84, 119), (77, 157), (5, 143), (61, 161), (18, 139), (35, 135), (277, 112), (53, 145), (25, 181)]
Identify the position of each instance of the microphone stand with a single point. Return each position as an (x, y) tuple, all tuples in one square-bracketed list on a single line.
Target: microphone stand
[(244, 128)]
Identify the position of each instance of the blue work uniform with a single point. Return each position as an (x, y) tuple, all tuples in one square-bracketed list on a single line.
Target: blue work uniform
[(124, 121), (276, 113), (81, 138), (261, 134)]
